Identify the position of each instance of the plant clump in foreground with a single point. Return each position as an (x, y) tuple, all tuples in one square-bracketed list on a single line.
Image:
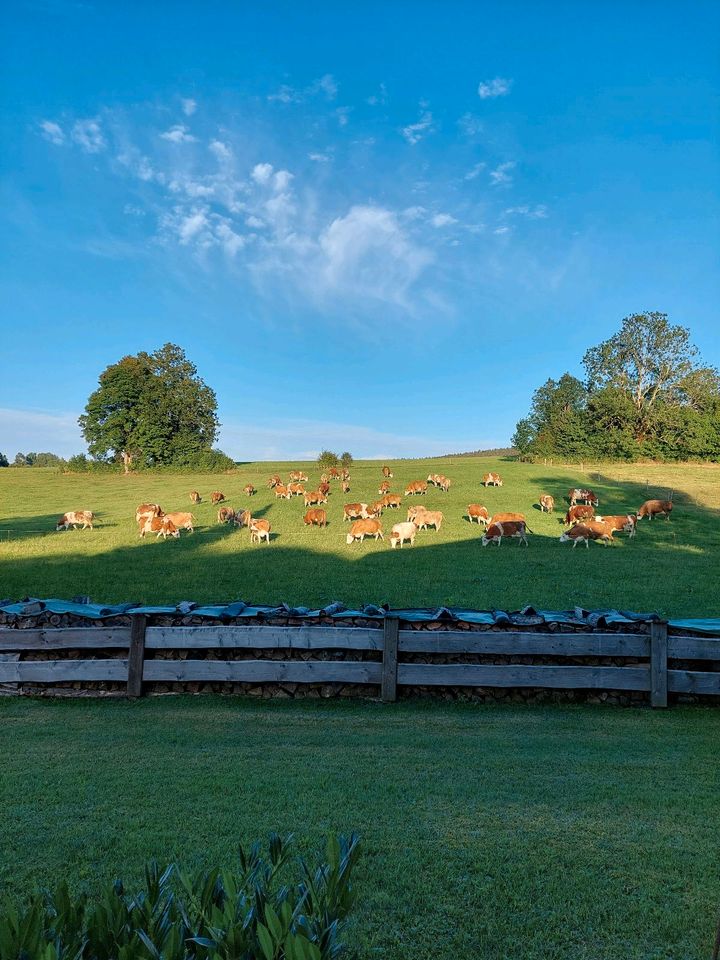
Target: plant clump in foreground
[(244, 913)]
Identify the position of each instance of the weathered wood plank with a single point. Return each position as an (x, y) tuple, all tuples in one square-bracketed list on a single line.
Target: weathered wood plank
[(694, 681), (265, 671), (565, 645), (658, 664), (522, 675), (136, 656), (239, 636), (65, 638), (694, 648), (56, 671), (390, 659)]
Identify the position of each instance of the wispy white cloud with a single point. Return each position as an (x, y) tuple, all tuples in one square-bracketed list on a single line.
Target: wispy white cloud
[(189, 106), (501, 231), (498, 87), (320, 157), (221, 150), (88, 135), (442, 220), (325, 85), (178, 134), (502, 175), (262, 172), (538, 212), (328, 85), (470, 125), (475, 171), (343, 115), (379, 98), (414, 132), (52, 131)]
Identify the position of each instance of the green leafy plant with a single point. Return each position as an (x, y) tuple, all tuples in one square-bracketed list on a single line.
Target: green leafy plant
[(212, 915)]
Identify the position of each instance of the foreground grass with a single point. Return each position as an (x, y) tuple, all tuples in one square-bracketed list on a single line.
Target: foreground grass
[(670, 567), (574, 833)]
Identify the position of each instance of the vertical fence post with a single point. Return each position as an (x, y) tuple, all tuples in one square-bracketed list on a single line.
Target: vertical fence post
[(390, 660), (658, 664), (136, 655)]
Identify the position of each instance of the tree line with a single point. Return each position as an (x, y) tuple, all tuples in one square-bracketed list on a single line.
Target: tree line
[(645, 395)]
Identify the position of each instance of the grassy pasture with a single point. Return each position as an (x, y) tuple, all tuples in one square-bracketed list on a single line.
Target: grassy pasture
[(670, 567), (547, 833)]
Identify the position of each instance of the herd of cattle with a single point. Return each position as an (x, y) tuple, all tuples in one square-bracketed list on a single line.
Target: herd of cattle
[(581, 519)]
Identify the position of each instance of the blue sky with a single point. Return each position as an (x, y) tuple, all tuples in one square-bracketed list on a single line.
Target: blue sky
[(375, 226)]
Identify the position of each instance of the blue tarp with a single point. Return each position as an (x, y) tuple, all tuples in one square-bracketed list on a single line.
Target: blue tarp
[(528, 616)]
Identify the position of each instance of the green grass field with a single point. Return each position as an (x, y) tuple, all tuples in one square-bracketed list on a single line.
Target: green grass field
[(547, 833), (670, 567)]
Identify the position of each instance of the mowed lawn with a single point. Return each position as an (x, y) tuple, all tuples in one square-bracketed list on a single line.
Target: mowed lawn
[(563, 832), (670, 567)]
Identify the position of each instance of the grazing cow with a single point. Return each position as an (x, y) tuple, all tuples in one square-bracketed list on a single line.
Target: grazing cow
[(578, 495), (387, 473), (298, 476), (392, 500), (508, 518), (492, 480), (653, 508), (259, 530), (619, 522), (282, 492), (376, 509), (317, 517), (583, 533), (428, 518), (402, 532), (161, 525), (324, 487), (364, 528), (417, 487), (354, 511), (296, 490), (226, 515), (547, 503), (324, 478), (444, 483), (579, 514), (75, 519), (505, 528), (195, 497), (345, 486), (183, 521), (274, 480), (334, 473), (345, 474), (476, 511), (216, 497), (242, 518), (384, 487), (433, 478), (249, 489), (148, 510), (315, 496)]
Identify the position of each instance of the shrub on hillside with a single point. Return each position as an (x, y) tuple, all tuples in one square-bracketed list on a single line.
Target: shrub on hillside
[(246, 912), (346, 459), (328, 459)]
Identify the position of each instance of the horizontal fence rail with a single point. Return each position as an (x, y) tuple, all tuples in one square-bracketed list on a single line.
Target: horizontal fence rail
[(143, 657)]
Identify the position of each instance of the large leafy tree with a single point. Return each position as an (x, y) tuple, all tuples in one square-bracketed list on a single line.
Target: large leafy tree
[(555, 424), (153, 407)]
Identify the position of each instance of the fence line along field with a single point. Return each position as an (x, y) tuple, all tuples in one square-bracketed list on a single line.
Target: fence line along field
[(669, 566)]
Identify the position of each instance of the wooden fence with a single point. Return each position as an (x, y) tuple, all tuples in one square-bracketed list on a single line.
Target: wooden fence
[(657, 674)]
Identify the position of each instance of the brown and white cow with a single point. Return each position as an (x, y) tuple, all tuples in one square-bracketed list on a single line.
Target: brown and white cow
[(216, 497), (298, 476), (259, 530), (315, 496), (364, 528), (161, 525), (249, 489), (345, 486), (492, 480), (345, 474), (402, 532), (417, 487), (547, 503), (317, 517), (579, 514), (583, 533), (386, 472), (508, 518), (242, 518), (147, 510), (428, 518), (282, 492), (375, 509), (384, 487), (183, 521), (392, 500), (655, 508), (620, 522), (296, 490), (195, 497), (444, 483), (580, 495), (476, 511), (354, 511), (324, 487), (75, 519), (508, 528), (334, 473), (274, 480)]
